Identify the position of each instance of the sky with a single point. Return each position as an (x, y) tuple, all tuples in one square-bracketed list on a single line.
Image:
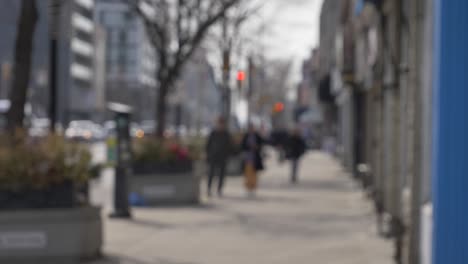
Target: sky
[(292, 31)]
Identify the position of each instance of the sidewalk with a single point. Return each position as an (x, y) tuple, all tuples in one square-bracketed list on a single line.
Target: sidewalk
[(324, 219)]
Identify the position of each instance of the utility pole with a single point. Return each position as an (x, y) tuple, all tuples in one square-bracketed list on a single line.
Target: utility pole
[(226, 91), (54, 28), (200, 89), (251, 87)]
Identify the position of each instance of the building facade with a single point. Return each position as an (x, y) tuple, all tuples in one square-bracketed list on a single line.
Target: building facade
[(77, 49), (381, 80), (309, 113), (130, 58), (76, 53), (9, 14), (198, 94)]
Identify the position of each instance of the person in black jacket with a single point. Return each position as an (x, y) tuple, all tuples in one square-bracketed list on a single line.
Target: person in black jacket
[(218, 149), (279, 139), (252, 145), (295, 148)]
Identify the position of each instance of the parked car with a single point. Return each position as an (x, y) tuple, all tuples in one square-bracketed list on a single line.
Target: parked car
[(109, 128), (85, 130), (148, 127), (39, 127), (137, 131)]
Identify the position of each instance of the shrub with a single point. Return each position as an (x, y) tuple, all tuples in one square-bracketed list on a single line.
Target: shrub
[(149, 150), (27, 163)]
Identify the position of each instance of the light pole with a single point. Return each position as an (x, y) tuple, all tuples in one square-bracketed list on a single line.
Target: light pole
[(54, 22), (225, 93)]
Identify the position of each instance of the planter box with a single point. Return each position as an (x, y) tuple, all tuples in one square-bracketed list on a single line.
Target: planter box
[(50, 235), (179, 167), (58, 196), (161, 188), (234, 166)]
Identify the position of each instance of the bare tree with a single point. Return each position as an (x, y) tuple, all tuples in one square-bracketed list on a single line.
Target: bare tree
[(232, 39), (176, 29), (22, 63)]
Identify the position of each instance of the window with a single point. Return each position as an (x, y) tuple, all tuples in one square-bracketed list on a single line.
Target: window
[(123, 37), (132, 53), (102, 16), (132, 37), (113, 19)]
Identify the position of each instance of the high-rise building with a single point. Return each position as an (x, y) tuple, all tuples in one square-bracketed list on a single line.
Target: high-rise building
[(77, 50), (130, 57), (76, 53), (9, 13)]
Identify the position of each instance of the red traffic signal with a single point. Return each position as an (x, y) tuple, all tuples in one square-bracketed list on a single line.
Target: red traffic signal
[(240, 76), (278, 107)]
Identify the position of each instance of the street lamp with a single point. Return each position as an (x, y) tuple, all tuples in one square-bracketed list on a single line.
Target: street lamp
[(54, 22)]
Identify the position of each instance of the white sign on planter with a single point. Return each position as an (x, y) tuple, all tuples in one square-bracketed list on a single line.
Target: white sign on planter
[(23, 240), (159, 191)]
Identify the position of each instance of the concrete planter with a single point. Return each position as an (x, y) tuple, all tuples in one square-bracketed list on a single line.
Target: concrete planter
[(50, 235), (169, 188), (235, 166), (55, 196), (177, 167)]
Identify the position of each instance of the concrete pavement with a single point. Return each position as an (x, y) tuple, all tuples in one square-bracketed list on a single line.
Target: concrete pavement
[(324, 219)]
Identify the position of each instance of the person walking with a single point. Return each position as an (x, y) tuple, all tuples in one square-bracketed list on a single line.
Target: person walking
[(252, 144), (296, 147), (218, 149), (279, 139)]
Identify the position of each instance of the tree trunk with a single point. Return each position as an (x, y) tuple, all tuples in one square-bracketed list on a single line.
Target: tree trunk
[(22, 64), (161, 110)]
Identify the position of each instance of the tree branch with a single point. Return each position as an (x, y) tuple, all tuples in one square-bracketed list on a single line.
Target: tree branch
[(176, 30)]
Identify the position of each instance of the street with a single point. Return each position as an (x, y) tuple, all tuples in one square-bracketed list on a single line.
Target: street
[(323, 219)]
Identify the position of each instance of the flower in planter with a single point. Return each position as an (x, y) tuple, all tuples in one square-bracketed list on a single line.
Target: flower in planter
[(161, 156), (196, 147), (157, 150), (183, 154), (178, 151)]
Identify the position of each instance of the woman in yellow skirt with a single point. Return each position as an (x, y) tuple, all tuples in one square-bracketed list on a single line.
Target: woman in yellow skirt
[(252, 145)]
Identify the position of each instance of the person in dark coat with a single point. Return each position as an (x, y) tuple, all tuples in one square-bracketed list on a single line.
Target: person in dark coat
[(218, 150), (252, 144), (295, 148), (279, 139)]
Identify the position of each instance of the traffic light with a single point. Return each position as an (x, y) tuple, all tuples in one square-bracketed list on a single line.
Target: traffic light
[(278, 107), (240, 79), (241, 76)]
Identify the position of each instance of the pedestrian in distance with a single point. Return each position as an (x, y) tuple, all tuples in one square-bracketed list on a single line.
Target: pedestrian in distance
[(218, 150), (252, 145), (279, 138), (295, 149)]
